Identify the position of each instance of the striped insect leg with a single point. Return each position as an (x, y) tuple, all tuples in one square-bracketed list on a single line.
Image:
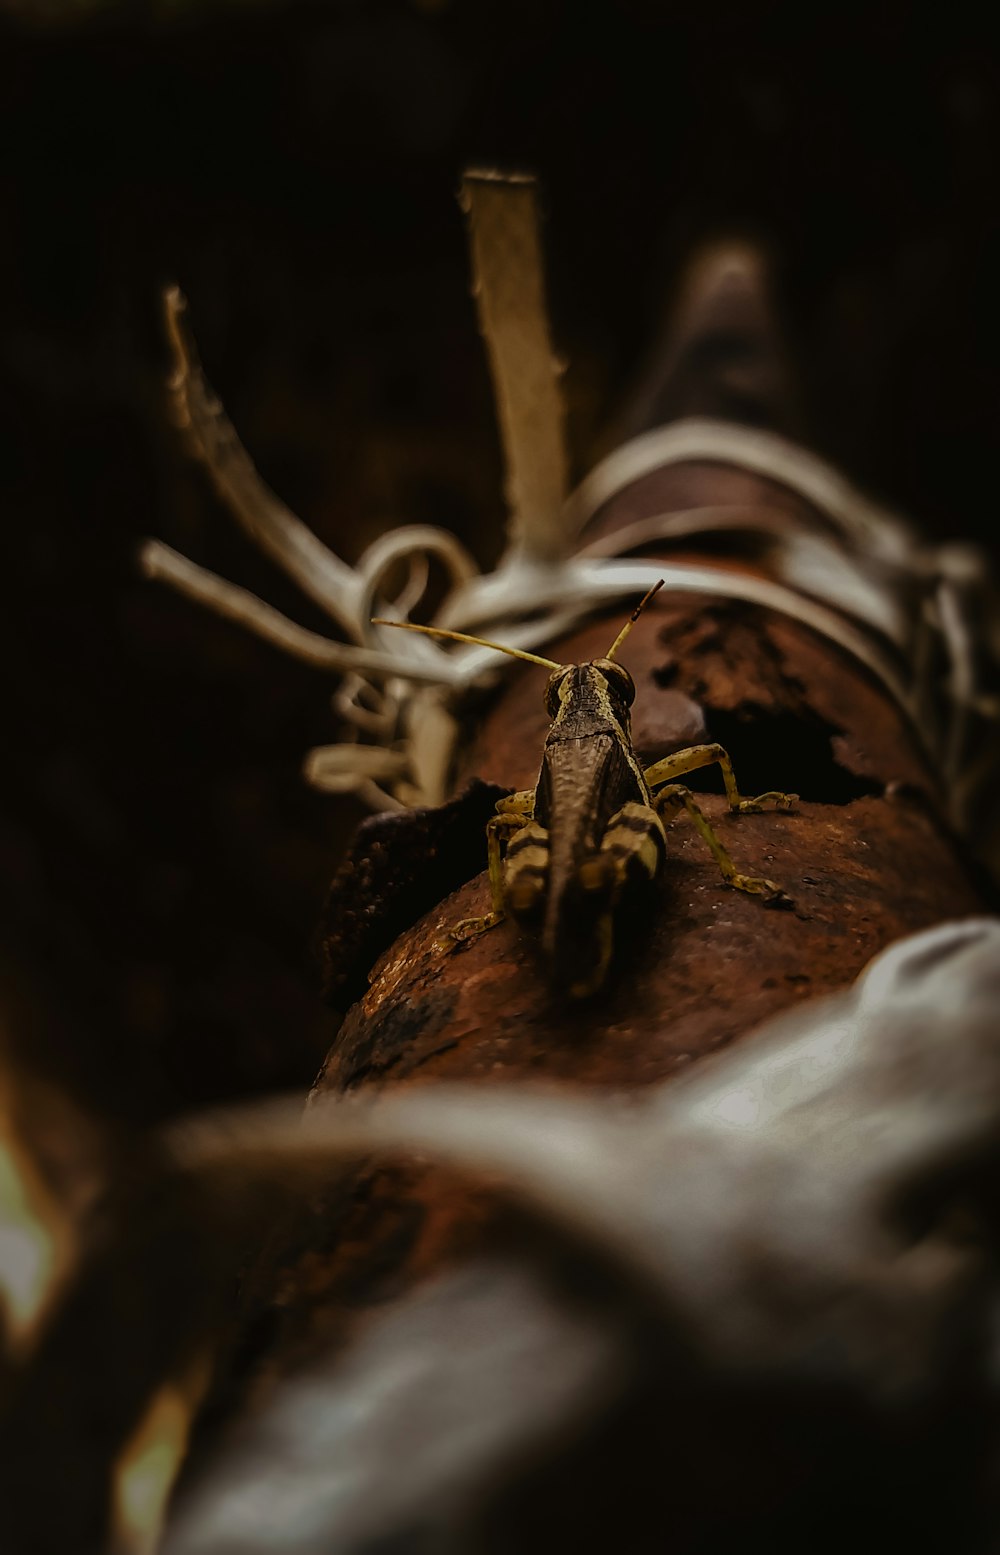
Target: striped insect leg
[(509, 819), (636, 842), (526, 873), (670, 800), (708, 756)]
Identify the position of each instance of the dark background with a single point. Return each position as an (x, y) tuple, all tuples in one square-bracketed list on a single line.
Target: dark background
[(294, 168)]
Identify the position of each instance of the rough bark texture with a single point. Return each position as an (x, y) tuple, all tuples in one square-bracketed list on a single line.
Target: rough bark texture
[(864, 856)]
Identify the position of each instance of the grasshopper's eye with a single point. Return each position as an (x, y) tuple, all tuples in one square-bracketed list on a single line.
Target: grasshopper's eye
[(617, 676), (552, 689)]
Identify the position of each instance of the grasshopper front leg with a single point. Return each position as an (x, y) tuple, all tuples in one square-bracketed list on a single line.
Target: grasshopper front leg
[(670, 800), (510, 818), (696, 756)]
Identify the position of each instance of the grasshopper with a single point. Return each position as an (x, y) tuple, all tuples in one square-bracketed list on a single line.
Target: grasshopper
[(590, 836)]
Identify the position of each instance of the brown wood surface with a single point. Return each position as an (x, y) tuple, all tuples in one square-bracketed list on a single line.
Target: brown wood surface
[(864, 856)]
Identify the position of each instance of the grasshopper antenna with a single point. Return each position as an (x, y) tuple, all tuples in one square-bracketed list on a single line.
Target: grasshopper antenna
[(633, 618), (482, 642)]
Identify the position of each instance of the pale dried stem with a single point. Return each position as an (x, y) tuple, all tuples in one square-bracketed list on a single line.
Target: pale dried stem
[(161, 563), (273, 527), (508, 284), (335, 768)]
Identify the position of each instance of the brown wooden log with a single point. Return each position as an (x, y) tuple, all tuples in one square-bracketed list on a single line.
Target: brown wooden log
[(862, 866), (865, 857)]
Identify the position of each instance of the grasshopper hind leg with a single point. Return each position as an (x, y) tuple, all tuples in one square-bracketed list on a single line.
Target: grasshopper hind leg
[(636, 842), (526, 873)]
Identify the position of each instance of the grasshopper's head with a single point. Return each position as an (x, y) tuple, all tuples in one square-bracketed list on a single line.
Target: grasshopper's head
[(600, 680), (584, 698)]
